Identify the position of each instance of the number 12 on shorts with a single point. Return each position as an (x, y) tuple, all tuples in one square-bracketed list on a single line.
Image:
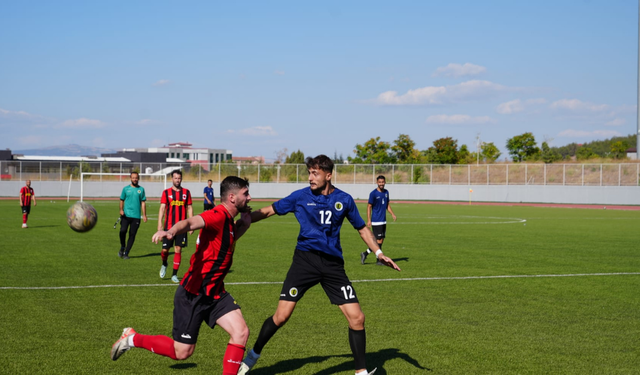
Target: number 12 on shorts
[(348, 292)]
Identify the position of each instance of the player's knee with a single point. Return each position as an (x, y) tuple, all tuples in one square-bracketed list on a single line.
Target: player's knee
[(357, 321), (183, 353), (281, 319), (240, 335)]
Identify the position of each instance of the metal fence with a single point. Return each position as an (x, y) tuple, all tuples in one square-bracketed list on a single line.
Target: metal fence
[(621, 174)]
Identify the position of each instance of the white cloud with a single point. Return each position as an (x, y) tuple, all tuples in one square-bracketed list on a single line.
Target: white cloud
[(7, 113), (82, 123), (458, 119), (145, 121), (616, 122), (457, 70), (570, 133), (256, 131), (278, 73), (437, 95), (576, 105), (518, 105), (162, 82), (508, 108)]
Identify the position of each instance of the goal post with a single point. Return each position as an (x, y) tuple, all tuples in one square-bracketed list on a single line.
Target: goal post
[(83, 174)]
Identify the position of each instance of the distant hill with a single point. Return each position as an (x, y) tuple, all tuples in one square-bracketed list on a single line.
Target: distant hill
[(67, 150)]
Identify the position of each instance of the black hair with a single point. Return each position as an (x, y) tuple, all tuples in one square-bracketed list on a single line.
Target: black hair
[(131, 174), (381, 177), (322, 162), (179, 172), (231, 184)]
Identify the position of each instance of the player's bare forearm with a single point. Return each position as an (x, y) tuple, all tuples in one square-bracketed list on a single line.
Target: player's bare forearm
[(143, 207), (368, 239), (183, 226), (262, 213), (161, 216), (243, 224)]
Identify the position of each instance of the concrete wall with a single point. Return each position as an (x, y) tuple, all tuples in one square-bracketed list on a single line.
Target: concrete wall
[(611, 195)]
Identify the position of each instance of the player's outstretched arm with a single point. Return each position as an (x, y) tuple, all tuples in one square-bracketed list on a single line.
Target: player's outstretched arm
[(368, 239), (262, 213), (183, 226)]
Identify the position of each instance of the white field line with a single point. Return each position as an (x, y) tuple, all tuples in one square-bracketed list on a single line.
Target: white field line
[(354, 281)]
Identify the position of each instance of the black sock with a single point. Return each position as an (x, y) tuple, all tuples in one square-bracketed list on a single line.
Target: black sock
[(269, 328), (358, 343)]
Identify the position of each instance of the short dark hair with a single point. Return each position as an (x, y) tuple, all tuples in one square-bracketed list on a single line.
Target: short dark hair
[(134, 172), (231, 184), (322, 162), (179, 172), (381, 177), (209, 180)]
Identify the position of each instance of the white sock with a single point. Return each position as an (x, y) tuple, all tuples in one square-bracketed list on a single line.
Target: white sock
[(363, 372), (130, 340), (368, 252)]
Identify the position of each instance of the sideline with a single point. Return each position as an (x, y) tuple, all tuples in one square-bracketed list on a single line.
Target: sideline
[(353, 281)]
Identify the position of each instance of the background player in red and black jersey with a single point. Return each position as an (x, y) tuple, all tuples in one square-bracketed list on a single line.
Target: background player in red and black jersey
[(201, 295), (175, 205), (26, 196)]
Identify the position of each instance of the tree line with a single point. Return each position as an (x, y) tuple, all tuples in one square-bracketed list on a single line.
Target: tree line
[(521, 148)]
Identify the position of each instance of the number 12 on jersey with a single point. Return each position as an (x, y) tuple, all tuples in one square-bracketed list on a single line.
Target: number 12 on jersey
[(325, 217)]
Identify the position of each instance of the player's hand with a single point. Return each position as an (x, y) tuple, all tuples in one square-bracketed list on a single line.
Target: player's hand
[(159, 235), (144, 218), (394, 217), (121, 212), (369, 223), (388, 262), (190, 233)]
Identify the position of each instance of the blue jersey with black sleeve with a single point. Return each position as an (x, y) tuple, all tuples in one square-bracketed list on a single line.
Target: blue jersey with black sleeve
[(379, 201), (320, 218)]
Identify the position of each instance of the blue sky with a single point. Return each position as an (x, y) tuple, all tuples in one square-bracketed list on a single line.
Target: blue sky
[(258, 77)]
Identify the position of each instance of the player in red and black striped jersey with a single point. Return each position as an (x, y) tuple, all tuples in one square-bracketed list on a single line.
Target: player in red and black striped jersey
[(202, 295), (26, 196), (175, 205)]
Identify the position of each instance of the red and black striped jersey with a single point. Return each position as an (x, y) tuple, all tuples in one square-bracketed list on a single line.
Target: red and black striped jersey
[(25, 195), (176, 202), (214, 254)]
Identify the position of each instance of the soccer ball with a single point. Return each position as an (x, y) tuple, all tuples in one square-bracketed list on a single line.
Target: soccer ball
[(82, 217)]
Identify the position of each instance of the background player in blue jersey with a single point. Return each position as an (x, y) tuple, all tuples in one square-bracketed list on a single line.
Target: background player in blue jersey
[(377, 214), (209, 199), (320, 210)]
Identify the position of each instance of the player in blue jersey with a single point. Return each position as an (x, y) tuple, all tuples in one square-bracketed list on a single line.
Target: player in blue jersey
[(377, 215), (320, 210)]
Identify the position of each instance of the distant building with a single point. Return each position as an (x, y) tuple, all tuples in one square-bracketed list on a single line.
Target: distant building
[(178, 152), (248, 159), (632, 153)]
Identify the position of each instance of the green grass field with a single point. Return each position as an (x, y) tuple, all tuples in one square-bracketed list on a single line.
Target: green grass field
[(454, 309)]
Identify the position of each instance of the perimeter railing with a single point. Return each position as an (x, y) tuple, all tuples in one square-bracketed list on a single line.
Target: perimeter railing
[(614, 174)]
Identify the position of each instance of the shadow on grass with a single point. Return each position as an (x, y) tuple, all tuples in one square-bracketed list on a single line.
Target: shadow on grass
[(405, 259), (183, 366), (147, 255), (375, 359), (43, 226)]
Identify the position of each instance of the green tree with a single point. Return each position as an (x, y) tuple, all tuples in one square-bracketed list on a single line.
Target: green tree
[(619, 149), (443, 151), (585, 153), (373, 151), (464, 156), (404, 150), (489, 153), (296, 157), (549, 155), (523, 147)]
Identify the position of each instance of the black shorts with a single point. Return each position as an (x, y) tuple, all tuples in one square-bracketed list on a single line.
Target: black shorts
[(190, 310), (208, 207), (312, 267), (379, 231), (26, 209), (179, 240)]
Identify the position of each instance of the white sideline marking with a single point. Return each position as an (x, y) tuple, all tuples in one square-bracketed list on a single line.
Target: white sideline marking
[(354, 281)]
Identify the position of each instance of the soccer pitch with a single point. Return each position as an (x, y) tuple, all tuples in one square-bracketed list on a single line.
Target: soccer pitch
[(483, 289)]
